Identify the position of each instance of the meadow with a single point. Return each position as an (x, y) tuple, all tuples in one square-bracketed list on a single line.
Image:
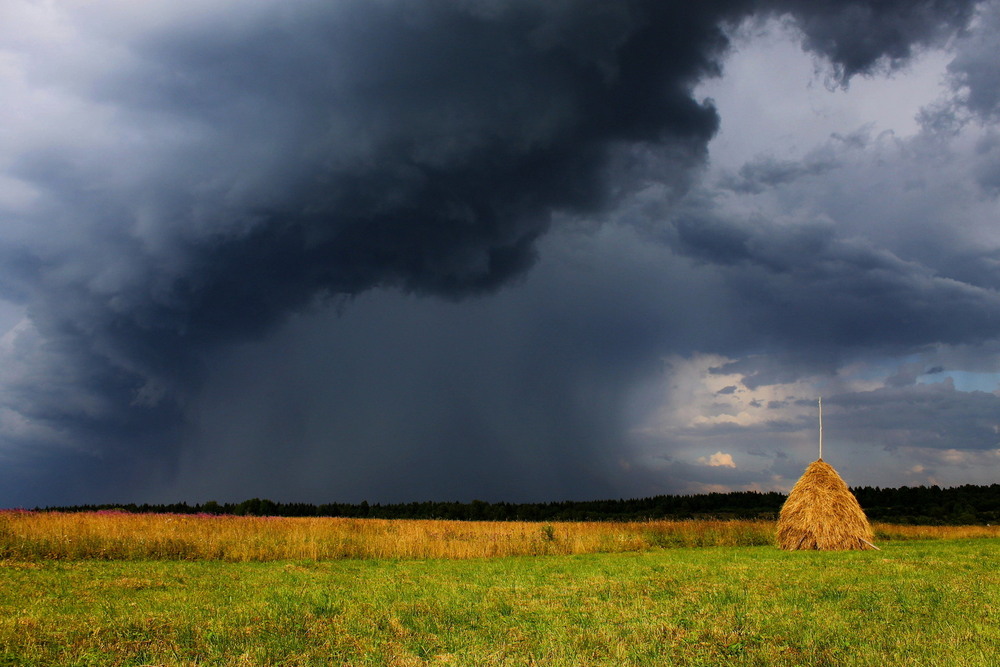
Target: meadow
[(87, 590)]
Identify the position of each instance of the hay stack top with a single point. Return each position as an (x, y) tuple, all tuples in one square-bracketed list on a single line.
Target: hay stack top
[(822, 513)]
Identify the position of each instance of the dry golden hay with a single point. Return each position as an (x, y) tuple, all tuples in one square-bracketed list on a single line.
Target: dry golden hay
[(822, 513)]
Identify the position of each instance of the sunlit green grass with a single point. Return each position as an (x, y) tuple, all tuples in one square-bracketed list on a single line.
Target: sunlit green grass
[(914, 603)]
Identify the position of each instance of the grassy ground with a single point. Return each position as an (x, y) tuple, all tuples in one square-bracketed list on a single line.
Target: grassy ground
[(914, 603)]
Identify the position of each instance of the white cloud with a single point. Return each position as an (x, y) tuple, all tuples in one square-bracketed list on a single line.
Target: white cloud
[(701, 394), (718, 460)]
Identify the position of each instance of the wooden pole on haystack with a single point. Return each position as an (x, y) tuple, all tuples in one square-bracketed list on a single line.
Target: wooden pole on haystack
[(820, 428)]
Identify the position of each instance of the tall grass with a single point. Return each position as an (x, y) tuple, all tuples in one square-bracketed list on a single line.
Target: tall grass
[(122, 536), (889, 531)]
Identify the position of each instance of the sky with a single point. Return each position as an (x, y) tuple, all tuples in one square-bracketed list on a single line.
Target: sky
[(396, 251)]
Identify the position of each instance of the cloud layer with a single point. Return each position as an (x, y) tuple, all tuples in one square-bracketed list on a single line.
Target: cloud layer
[(192, 192)]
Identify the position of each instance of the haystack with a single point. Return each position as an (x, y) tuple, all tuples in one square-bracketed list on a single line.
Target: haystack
[(822, 513)]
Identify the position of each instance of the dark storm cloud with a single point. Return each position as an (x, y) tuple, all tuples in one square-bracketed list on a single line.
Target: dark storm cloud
[(860, 37), (760, 371), (754, 177), (329, 150), (923, 415), (974, 69), (987, 169), (227, 167), (836, 292)]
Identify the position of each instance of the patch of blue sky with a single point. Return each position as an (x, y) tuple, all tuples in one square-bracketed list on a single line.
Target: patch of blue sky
[(965, 380)]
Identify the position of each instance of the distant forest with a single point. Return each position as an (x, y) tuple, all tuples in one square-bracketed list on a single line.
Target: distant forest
[(962, 505)]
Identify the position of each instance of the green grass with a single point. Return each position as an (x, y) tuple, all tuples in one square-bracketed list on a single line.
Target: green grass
[(915, 603)]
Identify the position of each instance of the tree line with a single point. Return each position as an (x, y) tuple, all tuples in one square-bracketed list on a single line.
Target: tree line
[(961, 505)]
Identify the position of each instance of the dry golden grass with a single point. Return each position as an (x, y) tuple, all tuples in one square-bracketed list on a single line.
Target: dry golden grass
[(822, 513), (26, 536), (54, 535), (891, 531)]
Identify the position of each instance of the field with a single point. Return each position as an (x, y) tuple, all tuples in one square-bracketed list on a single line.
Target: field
[(930, 597)]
